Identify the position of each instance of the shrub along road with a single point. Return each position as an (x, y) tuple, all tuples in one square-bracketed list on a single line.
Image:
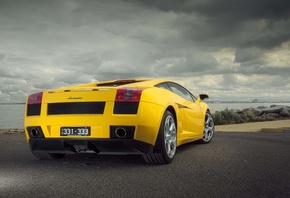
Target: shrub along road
[(232, 165)]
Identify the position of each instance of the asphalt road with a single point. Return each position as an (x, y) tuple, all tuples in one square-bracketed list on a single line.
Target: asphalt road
[(232, 165)]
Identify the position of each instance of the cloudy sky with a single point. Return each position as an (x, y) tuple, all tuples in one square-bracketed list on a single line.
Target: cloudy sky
[(230, 49)]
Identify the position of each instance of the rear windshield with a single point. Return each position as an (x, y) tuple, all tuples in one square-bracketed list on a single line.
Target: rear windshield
[(117, 83), (111, 84)]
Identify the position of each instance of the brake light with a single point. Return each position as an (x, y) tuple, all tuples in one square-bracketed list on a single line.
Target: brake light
[(35, 98), (128, 95)]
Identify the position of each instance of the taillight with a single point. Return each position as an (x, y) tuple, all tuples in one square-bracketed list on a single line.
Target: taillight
[(128, 95), (35, 98)]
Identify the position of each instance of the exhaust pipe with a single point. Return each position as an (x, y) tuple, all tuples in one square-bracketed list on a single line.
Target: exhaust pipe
[(34, 132), (121, 132)]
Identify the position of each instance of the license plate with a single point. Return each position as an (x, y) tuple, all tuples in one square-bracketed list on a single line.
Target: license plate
[(75, 131)]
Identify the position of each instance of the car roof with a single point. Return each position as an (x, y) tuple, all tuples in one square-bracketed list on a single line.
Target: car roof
[(126, 83)]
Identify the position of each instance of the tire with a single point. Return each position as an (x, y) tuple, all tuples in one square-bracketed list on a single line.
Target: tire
[(165, 147), (45, 155), (208, 131)]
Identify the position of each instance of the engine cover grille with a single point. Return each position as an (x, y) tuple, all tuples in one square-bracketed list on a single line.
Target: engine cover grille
[(76, 108)]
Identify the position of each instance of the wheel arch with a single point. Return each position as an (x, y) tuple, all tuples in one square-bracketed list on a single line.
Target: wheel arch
[(172, 110), (207, 111), (161, 154), (205, 108)]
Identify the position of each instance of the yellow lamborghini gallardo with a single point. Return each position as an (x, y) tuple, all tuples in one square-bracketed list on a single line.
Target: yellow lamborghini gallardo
[(151, 117)]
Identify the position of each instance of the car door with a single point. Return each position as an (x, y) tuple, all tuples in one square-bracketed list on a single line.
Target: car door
[(192, 111)]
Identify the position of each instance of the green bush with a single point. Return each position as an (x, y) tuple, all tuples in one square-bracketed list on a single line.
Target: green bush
[(229, 116), (268, 117), (248, 116)]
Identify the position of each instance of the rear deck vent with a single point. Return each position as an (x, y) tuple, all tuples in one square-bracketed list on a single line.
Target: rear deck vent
[(76, 108)]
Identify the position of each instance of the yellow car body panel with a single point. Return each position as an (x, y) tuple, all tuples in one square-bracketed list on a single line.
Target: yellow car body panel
[(146, 121)]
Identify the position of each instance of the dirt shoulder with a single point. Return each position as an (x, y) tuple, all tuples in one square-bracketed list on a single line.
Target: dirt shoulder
[(269, 126)]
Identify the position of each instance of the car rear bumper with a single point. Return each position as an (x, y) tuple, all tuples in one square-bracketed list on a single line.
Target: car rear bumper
[(67, 145)]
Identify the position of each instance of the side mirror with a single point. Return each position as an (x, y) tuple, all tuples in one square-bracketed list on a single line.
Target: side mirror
[(203, 96)]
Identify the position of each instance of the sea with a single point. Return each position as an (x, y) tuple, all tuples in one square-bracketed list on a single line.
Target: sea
[(11, 115)]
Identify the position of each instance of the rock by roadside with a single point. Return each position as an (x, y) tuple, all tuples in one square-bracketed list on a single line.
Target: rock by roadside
[(248, 115), (11, 131), (275, 111)]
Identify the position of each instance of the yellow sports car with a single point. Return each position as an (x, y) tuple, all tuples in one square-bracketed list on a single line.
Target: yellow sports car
[(151, 117)]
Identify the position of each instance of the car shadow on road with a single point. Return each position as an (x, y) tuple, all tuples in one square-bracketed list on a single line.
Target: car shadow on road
[(97, 160), (108, 161), (185, 147)]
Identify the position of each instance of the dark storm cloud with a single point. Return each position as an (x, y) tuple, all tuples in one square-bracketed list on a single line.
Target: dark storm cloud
[(282, 72), (243, 55), (2, 55), (240, 10), (226, 22), (268, 41), (188, 65)]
